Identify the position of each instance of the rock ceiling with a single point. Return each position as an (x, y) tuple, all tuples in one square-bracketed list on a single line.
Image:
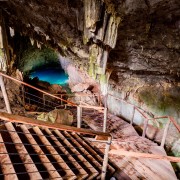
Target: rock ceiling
[(147, 32)]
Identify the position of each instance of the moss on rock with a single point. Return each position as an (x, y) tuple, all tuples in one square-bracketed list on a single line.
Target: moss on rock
[(34, 58)]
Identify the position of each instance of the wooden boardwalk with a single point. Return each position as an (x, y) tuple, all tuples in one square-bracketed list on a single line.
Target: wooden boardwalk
[(126, 138)]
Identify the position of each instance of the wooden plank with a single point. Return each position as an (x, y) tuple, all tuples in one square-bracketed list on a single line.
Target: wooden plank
[(144, 155), (165, 133), (25, 120), (70, 175), (23, 153), (79, 156), (45, 161), (5, 163), (85, 152), (93, 152), (144, 170), (83, 174)]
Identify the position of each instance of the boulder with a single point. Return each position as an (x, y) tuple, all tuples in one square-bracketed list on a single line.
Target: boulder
[(61, 116), (80, 87), (55, 89), (86, 97), (43, 84)]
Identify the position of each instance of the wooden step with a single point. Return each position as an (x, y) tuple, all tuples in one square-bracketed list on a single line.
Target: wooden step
[(85, 153), (45, 161), (23, 153), (28, 152), (69, 173), (95, 154), (87, 165), (82, 173)]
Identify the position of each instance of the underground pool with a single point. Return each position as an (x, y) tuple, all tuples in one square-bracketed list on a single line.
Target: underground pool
[(52, 75)]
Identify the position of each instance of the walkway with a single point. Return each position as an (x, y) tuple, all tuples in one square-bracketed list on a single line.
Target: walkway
[(126, 138)]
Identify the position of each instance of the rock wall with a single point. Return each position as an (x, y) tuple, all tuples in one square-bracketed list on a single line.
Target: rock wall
[(130, 47)]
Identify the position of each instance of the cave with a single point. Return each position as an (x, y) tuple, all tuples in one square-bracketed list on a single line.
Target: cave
[(110, 66)]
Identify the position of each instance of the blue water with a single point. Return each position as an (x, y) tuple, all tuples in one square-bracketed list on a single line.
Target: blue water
[(51, 75)]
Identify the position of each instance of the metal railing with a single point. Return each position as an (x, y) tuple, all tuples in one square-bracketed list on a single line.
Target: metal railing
[(147, 119)]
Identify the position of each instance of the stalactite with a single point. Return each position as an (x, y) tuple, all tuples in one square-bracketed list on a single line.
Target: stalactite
[(4, 51), (111, 31), (92, 13)]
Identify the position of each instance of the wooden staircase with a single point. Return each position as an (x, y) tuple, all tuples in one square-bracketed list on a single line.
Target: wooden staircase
[(36, 152)]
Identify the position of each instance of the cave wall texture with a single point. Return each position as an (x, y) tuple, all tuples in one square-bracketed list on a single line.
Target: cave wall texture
[(135, 42)]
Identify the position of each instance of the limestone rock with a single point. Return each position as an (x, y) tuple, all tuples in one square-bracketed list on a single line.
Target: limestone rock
[(55, 88), (80, 87), (86, 96), (60, 116)]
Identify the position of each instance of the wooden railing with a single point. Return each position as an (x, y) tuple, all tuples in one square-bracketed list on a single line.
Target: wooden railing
[(79, 106), (147, 119), (101, 137)]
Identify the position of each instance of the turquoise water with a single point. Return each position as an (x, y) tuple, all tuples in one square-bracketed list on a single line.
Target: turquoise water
[(51, 75)]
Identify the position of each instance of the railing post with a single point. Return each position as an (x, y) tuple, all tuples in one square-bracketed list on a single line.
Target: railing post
[(145, 127), (105, 120), (165, 133), (79, 116), (105, 160), (44, 100), (132, 118), (61, 99), (5, 96)]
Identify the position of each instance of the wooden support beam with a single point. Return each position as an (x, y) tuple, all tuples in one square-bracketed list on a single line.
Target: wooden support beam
[(144, 155), (165, 133), (145, 128), (5, 96), (132, 118), (105, 120), (79, 116), (25, 120), (105, 161), (175, 123)]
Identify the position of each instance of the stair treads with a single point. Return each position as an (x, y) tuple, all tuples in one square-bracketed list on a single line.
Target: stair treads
[(79, 171), (6, 164), (45, 161), (84, 152), (87, 165), (91, 151), (69, 173), (25, 157)]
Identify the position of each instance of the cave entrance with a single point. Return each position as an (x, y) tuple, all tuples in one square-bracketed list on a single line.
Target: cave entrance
[(52, 75), (42, 66)]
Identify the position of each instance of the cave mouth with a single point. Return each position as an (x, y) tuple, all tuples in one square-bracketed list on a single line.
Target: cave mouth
[(52, 75), (41, 63)]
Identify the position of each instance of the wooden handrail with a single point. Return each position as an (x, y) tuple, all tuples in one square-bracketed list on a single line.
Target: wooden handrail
[(30, 121), (161, 117), (144, 155), (26, 84), (46, 93)]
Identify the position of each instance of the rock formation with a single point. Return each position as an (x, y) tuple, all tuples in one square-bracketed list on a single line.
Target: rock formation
[(130, 48)]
